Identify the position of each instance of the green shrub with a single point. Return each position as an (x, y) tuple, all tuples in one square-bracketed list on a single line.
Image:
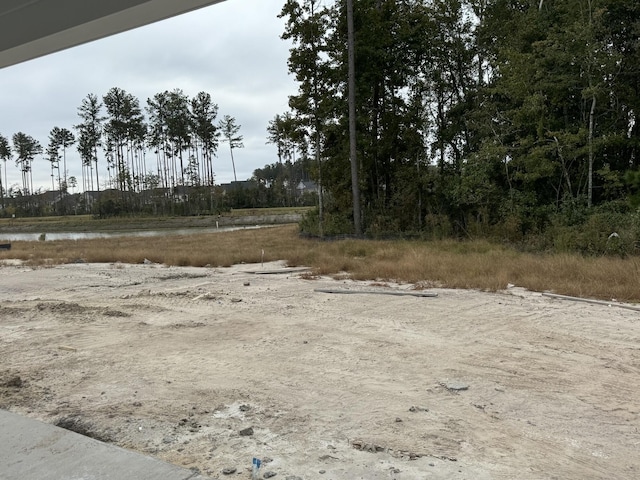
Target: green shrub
[(437, 226), (333, 224)]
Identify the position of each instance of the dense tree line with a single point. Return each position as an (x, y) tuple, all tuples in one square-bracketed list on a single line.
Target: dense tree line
[(473, 116)]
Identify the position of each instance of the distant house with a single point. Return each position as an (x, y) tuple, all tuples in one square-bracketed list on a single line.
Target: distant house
[(48, 198), (239, 185), (181, 193), (90, 197), (307, 187)]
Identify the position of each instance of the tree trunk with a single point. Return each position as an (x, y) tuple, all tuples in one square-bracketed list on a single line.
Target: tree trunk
[(355, 186), (95, 159), (590, 177), (233, 164)]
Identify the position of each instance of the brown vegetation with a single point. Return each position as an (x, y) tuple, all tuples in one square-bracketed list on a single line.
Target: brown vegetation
[(455, 264)]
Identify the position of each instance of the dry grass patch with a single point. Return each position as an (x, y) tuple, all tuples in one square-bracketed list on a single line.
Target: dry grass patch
[(453, 264), (215, 249)]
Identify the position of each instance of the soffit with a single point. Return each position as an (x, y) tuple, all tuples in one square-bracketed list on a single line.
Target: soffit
[(32, 28)]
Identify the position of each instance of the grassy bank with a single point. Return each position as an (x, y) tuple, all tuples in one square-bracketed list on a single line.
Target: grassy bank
[(87, 223), (454, 264)]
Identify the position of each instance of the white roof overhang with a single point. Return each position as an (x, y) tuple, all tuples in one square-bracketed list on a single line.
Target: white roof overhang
[(33, 28)]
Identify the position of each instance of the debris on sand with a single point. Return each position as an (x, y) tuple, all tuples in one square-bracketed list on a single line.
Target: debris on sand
[(15, 382), (455, 386), (415, 409)]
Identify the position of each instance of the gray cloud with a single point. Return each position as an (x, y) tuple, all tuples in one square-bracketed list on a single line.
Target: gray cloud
[(231, 50)]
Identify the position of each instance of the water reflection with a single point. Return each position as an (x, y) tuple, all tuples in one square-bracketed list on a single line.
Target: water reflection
[(33, 237)]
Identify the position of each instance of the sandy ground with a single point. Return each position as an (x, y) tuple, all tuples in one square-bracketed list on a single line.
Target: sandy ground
[(179, 363)]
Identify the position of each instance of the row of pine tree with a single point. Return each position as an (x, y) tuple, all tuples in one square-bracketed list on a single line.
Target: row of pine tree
[(173, 145)]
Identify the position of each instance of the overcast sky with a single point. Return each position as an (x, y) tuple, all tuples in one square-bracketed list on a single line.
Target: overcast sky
[(231, 50)]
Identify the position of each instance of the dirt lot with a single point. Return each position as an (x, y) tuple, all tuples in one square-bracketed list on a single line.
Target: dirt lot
[(208, 368)]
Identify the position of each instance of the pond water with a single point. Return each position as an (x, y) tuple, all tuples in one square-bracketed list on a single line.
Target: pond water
[(34, 237)]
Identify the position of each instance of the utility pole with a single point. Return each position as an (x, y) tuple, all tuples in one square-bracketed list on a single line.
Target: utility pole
[(355, 185)]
